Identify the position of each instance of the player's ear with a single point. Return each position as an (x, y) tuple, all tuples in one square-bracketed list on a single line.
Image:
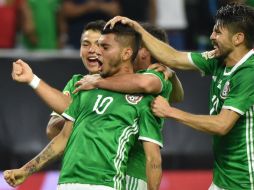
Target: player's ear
[(126, 54), (238, 38)]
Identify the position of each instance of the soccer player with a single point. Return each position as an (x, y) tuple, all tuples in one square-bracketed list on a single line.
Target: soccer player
[(143, 81), (231, 97), (106, 126), (88, 44)]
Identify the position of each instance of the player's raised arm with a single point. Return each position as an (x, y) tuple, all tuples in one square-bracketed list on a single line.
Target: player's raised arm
[(127, 83), (52, 97), (159, 50)]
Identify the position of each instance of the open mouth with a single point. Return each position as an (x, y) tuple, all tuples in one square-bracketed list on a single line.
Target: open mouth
[(92, 60), (100, 64), (215, 45)]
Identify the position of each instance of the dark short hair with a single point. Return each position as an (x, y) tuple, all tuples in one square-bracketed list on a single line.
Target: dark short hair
[(126, 36), (96, 25), (237, 18), (157, 32)]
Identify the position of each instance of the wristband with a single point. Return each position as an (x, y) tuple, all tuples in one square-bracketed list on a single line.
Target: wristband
[(35, 82)]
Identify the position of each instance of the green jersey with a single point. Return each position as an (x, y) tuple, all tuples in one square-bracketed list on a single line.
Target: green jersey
[(136, 163), (232, 88), (106, 126), (69, 88)]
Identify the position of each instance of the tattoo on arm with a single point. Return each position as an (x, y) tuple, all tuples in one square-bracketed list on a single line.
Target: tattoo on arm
[(47, 155), (155, 166)]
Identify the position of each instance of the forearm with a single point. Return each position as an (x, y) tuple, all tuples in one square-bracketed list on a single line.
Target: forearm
[(163, 52), (131, 83), (54, 98), (51, 152), (212, 124), (154, 174), (153, 165)]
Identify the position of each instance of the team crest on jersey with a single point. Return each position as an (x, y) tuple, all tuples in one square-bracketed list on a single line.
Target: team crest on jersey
[(225, 91), (133, 99), (208, 54), (67, 93)]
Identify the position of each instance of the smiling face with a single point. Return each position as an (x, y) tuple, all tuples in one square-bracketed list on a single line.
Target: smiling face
[(88, 50)]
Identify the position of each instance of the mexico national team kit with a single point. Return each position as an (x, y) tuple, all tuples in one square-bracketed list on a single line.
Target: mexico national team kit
[(232, 88), (108, 129)]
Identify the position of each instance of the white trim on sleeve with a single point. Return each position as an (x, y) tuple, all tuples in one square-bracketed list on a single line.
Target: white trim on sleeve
[(55, 114), (192, 62), (233, 109), (150, 140), (157, 77), (68, 117)]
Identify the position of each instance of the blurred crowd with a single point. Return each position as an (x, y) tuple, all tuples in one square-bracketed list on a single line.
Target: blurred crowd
[(58, 24)]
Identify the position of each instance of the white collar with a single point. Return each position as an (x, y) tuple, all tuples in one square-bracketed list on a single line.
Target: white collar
[(245, 57)]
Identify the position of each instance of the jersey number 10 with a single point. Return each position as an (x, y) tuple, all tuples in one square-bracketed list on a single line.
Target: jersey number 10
[(102, 104)]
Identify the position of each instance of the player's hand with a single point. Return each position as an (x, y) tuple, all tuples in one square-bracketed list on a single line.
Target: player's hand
[(168, 73), (88, 82), (21, 72), (160, 107), (15, 177), (124, 20)]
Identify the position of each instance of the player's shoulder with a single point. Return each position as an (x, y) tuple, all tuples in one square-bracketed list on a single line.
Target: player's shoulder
[(77, 76)]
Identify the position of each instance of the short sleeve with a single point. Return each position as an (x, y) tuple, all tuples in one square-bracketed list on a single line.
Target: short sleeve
[(69, 88), (72, 111), (205, 63), (241, 93), (166, 85), (150, 128)]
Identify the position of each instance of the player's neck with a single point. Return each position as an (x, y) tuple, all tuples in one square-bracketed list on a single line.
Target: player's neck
[(126, 68), (235, 56)]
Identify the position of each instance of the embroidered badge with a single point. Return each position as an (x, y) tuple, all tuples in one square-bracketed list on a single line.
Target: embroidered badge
[(67, 93), (133, 99), (208, 54), (225, 91)]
